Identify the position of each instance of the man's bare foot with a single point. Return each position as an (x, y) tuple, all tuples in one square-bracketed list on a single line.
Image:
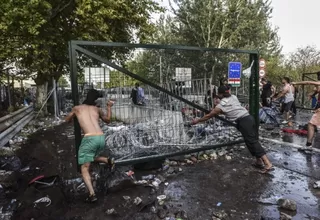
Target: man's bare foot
[(267, 169), (258, 164)]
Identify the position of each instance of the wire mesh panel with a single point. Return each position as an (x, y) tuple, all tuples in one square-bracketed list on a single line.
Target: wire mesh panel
[(157, 92)]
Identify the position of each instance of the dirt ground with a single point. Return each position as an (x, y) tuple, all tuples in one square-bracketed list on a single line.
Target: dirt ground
[(194, 192)]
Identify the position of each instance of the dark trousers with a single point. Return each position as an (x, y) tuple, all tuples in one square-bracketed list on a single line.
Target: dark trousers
[(248, 129), (294, 108)]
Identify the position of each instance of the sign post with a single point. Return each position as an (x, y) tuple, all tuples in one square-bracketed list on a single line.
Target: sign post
[(262, 70), (234, 74)]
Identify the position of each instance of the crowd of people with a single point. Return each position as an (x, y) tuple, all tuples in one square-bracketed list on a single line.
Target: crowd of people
[(287, 97)]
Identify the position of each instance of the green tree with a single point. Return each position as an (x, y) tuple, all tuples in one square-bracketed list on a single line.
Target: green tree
[(63, 82), (229, 24), (41, 29), (305, 60)]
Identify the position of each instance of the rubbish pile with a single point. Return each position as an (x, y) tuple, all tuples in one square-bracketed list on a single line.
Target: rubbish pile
[(33, 127)]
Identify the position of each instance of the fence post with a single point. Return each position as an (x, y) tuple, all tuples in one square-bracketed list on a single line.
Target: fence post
[(254, 89), (75, 94)]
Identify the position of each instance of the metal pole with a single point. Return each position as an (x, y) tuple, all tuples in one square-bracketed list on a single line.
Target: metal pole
[(160, 70), (75, 94), (8, 88), (254, 89), (303, 90), (54, 98)]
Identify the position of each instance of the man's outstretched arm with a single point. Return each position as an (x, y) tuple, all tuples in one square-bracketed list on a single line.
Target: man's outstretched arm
[(214, 112), (70, 116), (307, 83), (283, 93)]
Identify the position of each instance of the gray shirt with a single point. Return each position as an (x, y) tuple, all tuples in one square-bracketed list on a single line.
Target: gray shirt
[(232, 108)]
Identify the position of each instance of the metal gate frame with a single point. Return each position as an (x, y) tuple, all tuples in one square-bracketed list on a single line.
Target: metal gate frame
[(77, 46)]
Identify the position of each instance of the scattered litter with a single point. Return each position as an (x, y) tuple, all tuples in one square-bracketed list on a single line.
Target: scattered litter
[(141, 182), (170, 170), (149, 177), (130, 173), (111, 212), (155, 184), (166, 184), (219, 204), (220, 215), (316, 185), (137, 201), (25, 169), (228, 158), (45, 199), (10, 163), (287, 204), (60, 151), (161, 197), (173, 163), (180, 169), (43, 182), (126, 198), (153, 209), (284, 216), (165, 167), (81, 186)]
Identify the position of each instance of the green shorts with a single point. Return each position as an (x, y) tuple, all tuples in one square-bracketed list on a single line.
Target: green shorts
[(90, 147)]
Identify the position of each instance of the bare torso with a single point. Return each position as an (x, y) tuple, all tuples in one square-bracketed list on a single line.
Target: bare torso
[(88, 117)]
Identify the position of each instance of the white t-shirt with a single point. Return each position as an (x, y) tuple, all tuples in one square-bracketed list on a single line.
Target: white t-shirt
[(232, 109)]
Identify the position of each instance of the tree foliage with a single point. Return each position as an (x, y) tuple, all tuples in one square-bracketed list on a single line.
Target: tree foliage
[(231, 24), (37, 32)]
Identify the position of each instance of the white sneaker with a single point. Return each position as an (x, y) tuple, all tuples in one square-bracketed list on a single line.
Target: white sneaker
[(284, 122)]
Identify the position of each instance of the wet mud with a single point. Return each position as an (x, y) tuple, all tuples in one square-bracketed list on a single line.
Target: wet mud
[(198, 191)]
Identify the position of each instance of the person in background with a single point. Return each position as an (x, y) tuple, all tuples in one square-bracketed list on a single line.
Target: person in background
[(93, 142), (232, 109), (293, 107), (209, 98), (134, 94), (288, 95), (267, 92), (140, 95), (314, 123), (316, 93)]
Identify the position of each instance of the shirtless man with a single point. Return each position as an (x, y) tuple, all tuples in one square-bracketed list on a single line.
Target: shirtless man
[(93, 142), (231, 107), (315, 120)]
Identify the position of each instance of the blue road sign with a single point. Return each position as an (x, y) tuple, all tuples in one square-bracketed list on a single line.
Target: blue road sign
[(234, 70)]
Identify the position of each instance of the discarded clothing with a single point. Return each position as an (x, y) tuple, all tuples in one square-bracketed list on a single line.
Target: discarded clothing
[(294, 131), (269, 115)]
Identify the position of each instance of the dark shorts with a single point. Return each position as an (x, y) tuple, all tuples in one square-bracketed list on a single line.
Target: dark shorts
[(90, 148), (287, 106)]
